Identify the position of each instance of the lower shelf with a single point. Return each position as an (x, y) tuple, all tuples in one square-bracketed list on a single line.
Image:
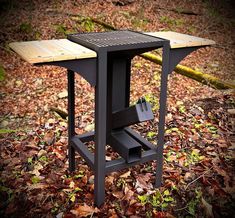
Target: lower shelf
[(149, 154)]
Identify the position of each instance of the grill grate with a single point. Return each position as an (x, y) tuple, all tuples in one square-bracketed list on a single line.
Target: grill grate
[(113, 39)]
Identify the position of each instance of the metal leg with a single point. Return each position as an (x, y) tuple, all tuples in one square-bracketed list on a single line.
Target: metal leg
[(162, 111), (100, 128), (71, 123)]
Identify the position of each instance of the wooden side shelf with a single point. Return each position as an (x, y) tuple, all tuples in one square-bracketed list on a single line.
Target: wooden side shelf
[(179, 40), (51, 50), (63, 49)]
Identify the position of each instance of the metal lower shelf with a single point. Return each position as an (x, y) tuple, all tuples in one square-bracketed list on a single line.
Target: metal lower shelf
[(149, 153)]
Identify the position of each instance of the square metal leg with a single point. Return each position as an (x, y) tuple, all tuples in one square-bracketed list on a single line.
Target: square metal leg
[(71, 122), (162, 112), (100, 128)]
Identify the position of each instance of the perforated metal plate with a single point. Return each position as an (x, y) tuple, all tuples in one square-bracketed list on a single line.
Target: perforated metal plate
[(115, 40)]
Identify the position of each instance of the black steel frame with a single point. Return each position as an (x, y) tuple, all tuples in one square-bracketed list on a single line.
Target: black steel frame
[(90, 69)]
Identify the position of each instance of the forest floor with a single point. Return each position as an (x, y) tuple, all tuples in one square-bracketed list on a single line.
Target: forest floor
[(199, 164)]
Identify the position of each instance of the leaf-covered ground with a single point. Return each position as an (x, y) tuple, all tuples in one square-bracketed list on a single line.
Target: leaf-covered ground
[(199, 153)]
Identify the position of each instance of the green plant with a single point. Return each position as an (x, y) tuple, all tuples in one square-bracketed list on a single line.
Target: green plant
[(26, 28), (10, 194), (87, 24), (72, 195), (5, 131), (79, 175), (151, 135), (193, 158), (43, 159), (171, 22), (61, 29), (158, 199), (175, 129), (35, 179), (2, 73), (55, 208), (193, 203), (211, 128), (153, 100), (138, 19)]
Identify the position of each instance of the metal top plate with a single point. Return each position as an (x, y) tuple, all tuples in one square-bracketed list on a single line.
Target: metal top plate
[(115, 40)]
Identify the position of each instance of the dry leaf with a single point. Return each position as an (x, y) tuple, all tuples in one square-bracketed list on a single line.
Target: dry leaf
[(125, 175), (110, 179), (128, 194), (84, 211), (63, 94), (37, 186), (36, 169), (49, 138), (118, 194), (208, 208), (142, 182)]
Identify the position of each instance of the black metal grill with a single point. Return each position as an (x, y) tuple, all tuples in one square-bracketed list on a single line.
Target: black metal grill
[(115, 40), (113, 113)]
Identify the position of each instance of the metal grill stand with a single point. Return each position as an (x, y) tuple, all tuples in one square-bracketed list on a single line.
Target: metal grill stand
[(112, 112), (110, 74)]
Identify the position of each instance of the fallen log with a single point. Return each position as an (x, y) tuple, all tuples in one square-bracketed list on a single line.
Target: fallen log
[(203, 78)]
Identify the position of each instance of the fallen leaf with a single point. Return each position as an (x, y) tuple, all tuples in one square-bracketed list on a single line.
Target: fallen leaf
[(90, 127), (49, 124), (71, 185), (37, 186), (49, 138), (84, 211), (118, 194), (63, 94), (188, 176), (125, 175), (223, 173), (32, 146), (142, 182), (128, 194), (60, 215), (36, 169), (107, 158), (91, 179), (41, 153), (208, 208), (110, 179)]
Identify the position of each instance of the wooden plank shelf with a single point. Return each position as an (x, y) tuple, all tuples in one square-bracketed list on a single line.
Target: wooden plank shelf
[(51, 50), (179, 40), (43, 51)]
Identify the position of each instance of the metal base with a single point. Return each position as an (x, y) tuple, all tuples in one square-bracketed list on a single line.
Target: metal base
[(149, 153)]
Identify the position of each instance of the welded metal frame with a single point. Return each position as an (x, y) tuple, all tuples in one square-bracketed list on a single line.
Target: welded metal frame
[(95, 71)]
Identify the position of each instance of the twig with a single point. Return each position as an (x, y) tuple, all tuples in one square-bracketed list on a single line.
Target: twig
[(183, 208), (198, 178)]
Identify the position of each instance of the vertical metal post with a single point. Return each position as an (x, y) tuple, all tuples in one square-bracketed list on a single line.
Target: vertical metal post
[(128, 81), (71, 122), (162, 112), (100, 127), (120, 83)]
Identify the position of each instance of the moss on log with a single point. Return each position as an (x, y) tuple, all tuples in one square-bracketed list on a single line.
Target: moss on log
[(193, 74)]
